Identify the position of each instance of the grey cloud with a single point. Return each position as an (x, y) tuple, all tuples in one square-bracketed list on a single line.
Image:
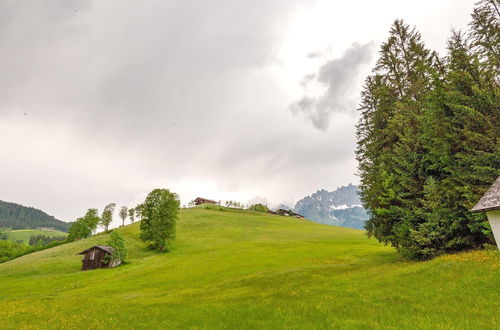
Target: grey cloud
[(320, 53), (307, 79), (340, 77)]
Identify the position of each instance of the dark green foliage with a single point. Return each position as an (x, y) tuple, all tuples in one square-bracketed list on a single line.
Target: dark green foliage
[(42, 240), (259, 208), (428, 139), (16, 216), (85, 226), (158, 216), (117, 241)]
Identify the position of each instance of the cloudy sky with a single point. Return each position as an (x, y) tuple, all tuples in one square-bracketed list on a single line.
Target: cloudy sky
[(102, 101)]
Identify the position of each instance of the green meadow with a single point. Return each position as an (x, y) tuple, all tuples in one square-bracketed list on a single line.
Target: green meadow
[(25, 234), (239, 269)]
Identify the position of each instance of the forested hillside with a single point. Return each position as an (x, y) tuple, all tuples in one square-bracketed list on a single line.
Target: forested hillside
[(15, 216), (429, 138)]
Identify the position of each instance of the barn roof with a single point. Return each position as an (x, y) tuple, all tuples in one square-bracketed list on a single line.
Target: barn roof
[(490, 200), (204, 200), (105, 248)]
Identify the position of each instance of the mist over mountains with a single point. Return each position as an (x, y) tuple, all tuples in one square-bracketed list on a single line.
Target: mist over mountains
[(341, 207)]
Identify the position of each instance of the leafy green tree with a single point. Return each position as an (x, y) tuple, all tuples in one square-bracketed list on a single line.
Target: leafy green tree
[(158, 218), (259, 208), (117, 241), (107, 215), (123, 214), (84, 227), (131, 215)]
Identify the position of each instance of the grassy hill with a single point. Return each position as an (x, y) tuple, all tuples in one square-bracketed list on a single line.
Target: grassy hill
[(25, 234), (15, 216), (239, 269)]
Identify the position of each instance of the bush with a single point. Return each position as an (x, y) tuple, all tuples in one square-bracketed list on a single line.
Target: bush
[(259, 208), (117, 241)]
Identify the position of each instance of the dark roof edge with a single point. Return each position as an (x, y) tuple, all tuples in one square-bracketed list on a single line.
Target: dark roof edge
[(105, 248), (477, 210), (490, 200)]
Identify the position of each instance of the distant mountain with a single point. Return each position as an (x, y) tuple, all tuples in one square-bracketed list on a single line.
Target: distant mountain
[(16, 216), (341, 207)]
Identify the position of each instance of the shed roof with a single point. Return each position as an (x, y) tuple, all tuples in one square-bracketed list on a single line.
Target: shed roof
[(201, 199), (105, 248), (490, 200)]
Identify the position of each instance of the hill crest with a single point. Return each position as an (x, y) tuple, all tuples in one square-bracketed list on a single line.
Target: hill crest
[(17, 216)]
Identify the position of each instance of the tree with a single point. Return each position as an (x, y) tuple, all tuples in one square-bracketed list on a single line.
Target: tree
[(259, 208), (428, 143), (158, 218), (107, 215), (123, 214), (117, 242), (131, 215), (84, 227)]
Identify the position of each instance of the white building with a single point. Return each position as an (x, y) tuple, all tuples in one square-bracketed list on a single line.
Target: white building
[(490, 203)]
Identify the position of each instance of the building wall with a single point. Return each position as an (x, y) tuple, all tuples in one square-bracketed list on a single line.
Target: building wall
[(494, 219)]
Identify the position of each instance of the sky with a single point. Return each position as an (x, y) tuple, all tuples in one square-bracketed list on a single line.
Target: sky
[(253, 101)]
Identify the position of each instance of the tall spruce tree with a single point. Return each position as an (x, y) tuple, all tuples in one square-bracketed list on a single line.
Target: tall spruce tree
[(389, 149), (428, 138)]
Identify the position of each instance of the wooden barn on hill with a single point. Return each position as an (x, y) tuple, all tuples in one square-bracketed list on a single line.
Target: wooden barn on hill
[(98, 257), (199, 201)]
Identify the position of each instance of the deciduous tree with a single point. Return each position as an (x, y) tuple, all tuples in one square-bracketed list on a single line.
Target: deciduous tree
[(158, 216), (123, 214), (107, 215)]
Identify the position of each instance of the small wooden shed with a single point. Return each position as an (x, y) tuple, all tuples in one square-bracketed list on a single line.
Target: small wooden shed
[(199, 201), (490, 203), (98, 256)]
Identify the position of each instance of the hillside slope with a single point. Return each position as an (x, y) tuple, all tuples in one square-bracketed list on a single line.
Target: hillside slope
[(240, 269), (24, 235), (15, 216)]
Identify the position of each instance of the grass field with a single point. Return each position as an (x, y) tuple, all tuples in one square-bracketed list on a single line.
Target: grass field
[(238, 269), (25, 234)]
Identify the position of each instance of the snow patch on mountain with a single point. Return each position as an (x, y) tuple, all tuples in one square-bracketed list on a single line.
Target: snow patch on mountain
[(341, 207)]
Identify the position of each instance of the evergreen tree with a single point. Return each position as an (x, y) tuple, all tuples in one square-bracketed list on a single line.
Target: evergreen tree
[(389, 149), (428, 140)]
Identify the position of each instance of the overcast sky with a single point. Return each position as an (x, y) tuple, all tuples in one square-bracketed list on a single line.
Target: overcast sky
[(103, 101)]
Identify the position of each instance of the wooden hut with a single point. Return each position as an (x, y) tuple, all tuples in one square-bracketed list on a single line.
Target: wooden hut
[(490, 203), (98, 256), (199, 201), (289, 213)]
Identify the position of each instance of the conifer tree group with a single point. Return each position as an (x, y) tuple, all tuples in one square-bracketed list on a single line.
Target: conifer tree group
[(429, 137)]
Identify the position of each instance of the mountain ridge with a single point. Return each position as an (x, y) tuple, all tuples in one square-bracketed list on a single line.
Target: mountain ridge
[(341, 207)]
